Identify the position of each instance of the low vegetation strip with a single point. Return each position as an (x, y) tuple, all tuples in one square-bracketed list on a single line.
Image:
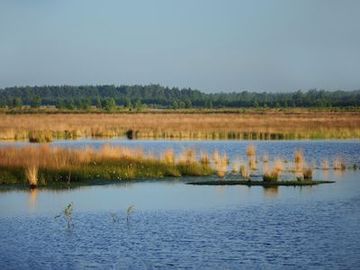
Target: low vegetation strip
[(267, 125), (43, 165), (260, 183)]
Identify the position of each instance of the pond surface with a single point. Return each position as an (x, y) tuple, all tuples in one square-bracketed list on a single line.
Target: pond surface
[(175, 225)]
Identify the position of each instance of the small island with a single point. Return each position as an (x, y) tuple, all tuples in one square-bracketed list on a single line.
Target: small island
[(260, 183)]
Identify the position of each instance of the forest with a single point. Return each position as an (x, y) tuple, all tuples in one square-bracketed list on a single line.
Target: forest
[(157, 96)]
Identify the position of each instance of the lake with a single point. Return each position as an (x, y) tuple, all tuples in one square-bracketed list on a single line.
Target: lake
[(175, 225)]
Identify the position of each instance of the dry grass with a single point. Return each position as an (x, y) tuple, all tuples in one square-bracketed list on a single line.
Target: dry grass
[(204, 159), (339, 164), (252, 163), (221, 165), (251, 125), (236, 165), (32, 163), (299, 161), (251, 150), (188, 156), (279, 165), (299, 157), (169, 156), (325, 165), (308, 173), (272, 175), (58, 158), (251, 154), (244, 172), (31, 174), (216, 156), (275, 172)]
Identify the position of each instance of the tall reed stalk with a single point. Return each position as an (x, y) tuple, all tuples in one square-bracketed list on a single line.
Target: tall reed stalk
[(31, 174)]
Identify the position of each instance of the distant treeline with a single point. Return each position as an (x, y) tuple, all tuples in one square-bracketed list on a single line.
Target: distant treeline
[(156, 96)]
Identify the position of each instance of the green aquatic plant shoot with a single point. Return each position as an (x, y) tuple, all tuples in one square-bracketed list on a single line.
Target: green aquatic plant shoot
[(129, 211), (67, 213)]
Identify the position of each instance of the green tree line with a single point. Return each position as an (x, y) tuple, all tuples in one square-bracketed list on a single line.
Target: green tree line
[(156, 96)]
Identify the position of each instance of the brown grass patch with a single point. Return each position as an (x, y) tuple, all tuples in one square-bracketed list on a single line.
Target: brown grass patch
[(251, 125)]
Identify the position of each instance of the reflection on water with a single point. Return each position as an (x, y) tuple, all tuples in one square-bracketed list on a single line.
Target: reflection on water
[(339, 173), (325, 174), (220, 189), (169, 194), (33, 195), (271, 192)]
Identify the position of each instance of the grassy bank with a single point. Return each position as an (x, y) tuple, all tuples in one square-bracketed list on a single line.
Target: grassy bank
[(43, 165), (251, 125)]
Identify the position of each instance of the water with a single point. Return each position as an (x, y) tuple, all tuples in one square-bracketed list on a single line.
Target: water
[(181, 226)]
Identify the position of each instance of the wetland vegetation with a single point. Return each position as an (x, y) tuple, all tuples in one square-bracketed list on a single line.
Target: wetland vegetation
[(44, 165), (249, 125)]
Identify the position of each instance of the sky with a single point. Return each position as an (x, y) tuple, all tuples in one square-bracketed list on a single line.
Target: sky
[(211, 45)]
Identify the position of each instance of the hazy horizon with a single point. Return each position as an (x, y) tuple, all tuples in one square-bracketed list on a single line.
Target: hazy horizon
[(212, 46)]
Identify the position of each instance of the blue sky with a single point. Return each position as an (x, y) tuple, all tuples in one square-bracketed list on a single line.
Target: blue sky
[(212, 45)]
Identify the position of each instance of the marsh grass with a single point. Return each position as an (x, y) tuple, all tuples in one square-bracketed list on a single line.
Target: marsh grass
[(244, 172), (221, 166), (251, 154), (339, 164), (204, 159), (299, 160), (270, 176), (251, 151), (275, 172), (31, 174), (236, 165), (60, 165), (40, 136), (299, 156), (308, 173), (279, 165), (325, 165), (169, 156), (250, 125), (252, 163)]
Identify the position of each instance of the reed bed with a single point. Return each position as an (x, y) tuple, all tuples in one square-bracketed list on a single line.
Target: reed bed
[(250, 125), (40, 165), (43, 164)]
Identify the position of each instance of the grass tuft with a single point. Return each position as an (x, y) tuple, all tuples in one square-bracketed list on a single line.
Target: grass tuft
[(31, 174), (339, 164)]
